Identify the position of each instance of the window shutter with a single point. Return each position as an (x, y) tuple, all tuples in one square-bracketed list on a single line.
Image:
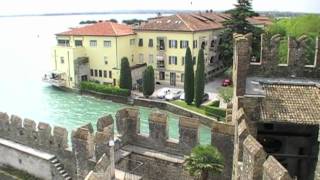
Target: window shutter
[(180, 44)]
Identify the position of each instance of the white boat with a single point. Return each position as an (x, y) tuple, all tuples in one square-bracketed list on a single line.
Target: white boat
[(55, 78)]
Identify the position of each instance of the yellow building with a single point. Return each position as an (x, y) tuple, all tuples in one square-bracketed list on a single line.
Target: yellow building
[(162, 43), (94, 52)]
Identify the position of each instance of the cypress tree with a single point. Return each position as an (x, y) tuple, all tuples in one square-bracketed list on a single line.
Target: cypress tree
[(125, 74), (188, 78), (148, 82), (200, 79)]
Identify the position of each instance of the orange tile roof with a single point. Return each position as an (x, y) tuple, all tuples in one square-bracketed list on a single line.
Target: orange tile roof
[(106, 28), (194, 22)]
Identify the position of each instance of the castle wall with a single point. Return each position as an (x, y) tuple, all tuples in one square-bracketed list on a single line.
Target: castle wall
[(296, 65), (222, 136), (79, 160)]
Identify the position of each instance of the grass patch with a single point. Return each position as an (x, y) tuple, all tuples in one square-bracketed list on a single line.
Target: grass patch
[(209, 110)]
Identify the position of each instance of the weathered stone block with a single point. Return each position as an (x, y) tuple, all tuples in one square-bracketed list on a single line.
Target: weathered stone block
[(4, 123), (60, 137), (31, 134), (158, 128), (102, 144), (222, 137), (45, 136), (273, 170), (104, 122), (253, 159), (189, 133)]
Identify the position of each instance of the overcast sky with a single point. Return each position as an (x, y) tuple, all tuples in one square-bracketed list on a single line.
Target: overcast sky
[(52, 6)]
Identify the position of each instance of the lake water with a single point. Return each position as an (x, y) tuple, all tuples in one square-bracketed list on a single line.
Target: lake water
[(26, 52)]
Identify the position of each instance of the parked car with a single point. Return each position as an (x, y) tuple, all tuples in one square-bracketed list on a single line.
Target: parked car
[(163, 92), (205, 97), (182, 96), (226, 82), (173, 95)]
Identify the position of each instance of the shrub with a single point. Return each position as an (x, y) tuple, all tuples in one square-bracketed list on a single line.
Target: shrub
[(215, 103), (226, 93), (105, 89), (125, 74), (148, 81), (216, 112)]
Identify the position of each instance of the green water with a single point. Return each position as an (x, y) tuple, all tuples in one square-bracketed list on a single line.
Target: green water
[(26, 56)]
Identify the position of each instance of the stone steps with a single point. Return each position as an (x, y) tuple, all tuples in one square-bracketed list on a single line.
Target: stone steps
[(59, 167)]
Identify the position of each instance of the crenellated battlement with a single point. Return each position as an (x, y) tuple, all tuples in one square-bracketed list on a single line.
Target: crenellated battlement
[(87, 147), (128, 122), (296, 63)]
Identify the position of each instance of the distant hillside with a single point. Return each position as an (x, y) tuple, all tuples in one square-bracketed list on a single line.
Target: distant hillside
[(274, 14)]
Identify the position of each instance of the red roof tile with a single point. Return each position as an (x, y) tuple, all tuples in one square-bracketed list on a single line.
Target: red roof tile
[(194, 22), (100, 29)]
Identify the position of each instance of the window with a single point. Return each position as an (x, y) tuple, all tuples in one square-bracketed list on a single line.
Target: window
[(91, 72), (195, 44), (150, 43), (62, 60), (107, 43), (110, 74), (78, 43), (173, 60), (105, 74), (105, 60), (140, 42), (63, 42), (93, 43), (173, 43), (96, 73), (150, 58), (212, 43), (100, 73), (141, 58), (132, 42), (162, 76), (161, 44), (184, 44), (182, 60), (194, 60), (182, 77)]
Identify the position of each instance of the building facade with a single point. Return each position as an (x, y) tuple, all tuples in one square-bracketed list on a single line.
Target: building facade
[(94, 52)]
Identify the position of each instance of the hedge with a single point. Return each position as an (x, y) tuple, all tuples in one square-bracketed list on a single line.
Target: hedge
[(106, 89), (215, 103), (216, 112)]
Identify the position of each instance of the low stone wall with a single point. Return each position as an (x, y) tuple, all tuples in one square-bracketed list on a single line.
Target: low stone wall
[(113, 98), (208, 121), (25, 159)]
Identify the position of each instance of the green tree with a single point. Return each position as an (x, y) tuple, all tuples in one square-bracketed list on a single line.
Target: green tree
[(238, 23), (188, 78), (125, 74), (204, 160), (200, 79), (148, 82)]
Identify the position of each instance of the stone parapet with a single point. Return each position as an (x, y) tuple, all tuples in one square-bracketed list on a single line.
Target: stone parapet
[(273, 170), (253, 159)]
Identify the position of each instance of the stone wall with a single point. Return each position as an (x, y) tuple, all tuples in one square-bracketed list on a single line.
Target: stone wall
[(86, 147), (295, 67), (128, 120)]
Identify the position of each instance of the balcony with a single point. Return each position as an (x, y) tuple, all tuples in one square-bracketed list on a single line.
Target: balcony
[(160, 61)]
